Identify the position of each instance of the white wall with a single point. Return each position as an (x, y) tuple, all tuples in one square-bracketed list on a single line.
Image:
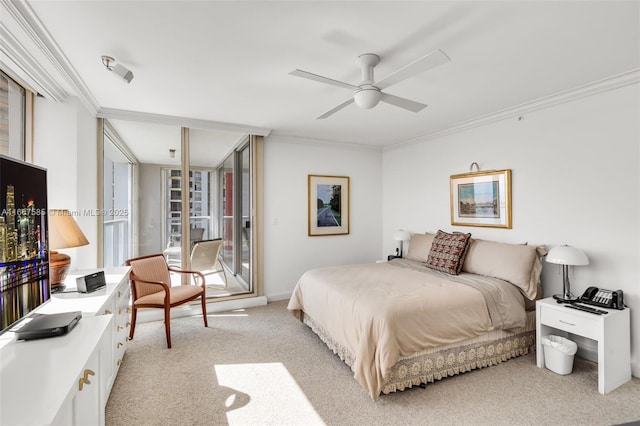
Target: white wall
[(288, 250), (65, 143), (575, 180)]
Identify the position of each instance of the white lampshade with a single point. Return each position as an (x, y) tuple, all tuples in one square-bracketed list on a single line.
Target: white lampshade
[(567, 255), (401, 235)]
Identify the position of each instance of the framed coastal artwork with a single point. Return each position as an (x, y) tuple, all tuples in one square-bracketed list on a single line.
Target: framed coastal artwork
[(328, 205), (481, 199)]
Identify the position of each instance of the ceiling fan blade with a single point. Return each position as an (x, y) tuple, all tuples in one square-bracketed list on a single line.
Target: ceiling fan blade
[(430, 60), (402, 102), (321, 79), (335, 109)]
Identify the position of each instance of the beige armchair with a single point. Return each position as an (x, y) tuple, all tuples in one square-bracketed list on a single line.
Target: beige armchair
[(205, 258), (151, 288)]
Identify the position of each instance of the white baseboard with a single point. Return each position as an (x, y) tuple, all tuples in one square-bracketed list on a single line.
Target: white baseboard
[(189, 310), (279, 296)]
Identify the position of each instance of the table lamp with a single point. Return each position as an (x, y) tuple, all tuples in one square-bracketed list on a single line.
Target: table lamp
[(566, 256), (64, 233), (401, 235)]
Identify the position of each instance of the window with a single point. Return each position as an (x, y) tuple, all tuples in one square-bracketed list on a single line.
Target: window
[(200, 199), (12, 117)]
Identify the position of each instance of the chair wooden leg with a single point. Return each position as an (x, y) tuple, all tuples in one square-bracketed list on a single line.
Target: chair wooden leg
[(134, 313), (204, 309), (167, 320)]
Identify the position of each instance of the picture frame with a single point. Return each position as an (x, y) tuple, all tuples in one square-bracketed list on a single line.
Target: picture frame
[(481, 199), (328, 205)]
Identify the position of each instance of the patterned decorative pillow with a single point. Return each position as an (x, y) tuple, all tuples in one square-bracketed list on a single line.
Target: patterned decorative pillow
[(448, 252)]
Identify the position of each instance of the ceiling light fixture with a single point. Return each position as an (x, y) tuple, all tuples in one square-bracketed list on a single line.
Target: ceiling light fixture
[(125, 74), (367, 97)]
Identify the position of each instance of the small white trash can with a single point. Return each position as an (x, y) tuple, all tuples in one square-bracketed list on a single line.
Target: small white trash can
[(558, 353)]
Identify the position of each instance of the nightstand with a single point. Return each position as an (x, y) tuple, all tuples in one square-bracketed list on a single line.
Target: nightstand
[(611, 331)]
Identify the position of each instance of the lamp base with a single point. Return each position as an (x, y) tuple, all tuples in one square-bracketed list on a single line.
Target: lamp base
[(561, 298), (59, 264)]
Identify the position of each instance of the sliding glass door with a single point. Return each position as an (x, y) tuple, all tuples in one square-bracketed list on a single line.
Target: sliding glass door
[(235, 212), (245, 210), (170, 187)]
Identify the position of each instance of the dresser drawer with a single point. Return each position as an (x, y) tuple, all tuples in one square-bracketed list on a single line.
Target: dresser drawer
[(573, 322)]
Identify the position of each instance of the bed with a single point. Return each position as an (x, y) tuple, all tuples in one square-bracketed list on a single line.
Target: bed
[(452, 305)]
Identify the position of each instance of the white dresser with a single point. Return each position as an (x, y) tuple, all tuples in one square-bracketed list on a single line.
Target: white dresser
[(66, 380)]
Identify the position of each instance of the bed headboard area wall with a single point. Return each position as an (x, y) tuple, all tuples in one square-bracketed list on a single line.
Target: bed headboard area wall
[(575, 180)]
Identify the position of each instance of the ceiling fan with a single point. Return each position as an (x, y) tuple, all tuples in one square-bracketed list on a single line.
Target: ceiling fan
[(369, 92)]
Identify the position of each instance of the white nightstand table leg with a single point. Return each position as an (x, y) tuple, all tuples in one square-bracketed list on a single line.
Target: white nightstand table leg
[(614, 360)]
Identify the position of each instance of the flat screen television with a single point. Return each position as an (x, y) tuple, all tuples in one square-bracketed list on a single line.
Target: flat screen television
[(24, 252)]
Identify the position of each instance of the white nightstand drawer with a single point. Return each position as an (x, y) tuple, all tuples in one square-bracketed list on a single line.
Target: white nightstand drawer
[(571, 321)]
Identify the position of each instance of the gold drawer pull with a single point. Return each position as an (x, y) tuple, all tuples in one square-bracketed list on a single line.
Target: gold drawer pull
[(119, 362), (119, 327), (85, 380), (129, 309), (128, 338), (119, 311), (119, 294), (107, 312), (128, 324), (119, 345)]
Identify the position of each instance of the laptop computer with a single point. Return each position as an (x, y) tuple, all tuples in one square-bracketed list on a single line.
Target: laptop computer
[(48, 325)]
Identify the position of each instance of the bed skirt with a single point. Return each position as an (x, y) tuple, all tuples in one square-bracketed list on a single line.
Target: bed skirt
[(434, 364)]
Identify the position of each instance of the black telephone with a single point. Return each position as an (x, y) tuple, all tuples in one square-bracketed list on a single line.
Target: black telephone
[(605, 298)]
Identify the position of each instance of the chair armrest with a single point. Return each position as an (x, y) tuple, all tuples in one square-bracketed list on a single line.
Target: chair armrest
[(134, 277), (183, 271)]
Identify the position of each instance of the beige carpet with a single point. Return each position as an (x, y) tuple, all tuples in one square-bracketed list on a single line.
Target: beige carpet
[(262, 367)]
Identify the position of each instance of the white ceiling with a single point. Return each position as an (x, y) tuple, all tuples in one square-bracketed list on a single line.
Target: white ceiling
[(228, 62)]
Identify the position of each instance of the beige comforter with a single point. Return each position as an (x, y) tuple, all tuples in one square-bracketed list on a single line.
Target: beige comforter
[(381, 312)]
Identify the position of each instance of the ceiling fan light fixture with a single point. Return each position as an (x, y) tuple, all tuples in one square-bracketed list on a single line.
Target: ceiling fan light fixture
[(368, 93), (367, 97)]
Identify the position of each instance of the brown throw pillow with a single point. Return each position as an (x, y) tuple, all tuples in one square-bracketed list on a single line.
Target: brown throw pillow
[(448, 252)]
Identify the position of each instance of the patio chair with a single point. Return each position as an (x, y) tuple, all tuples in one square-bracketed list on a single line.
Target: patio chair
[(205, 258)]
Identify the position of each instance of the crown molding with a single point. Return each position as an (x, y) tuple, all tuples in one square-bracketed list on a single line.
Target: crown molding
[(306, 140), (23, 67), (31, 25), (589, 89), (193, 123), (115, 138)]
